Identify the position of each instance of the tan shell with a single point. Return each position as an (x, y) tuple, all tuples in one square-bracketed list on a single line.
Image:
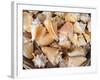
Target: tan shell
[(67, 29), (63, 41), (89, 26), (27, 21), (81, 40), (76, 61), (87, 37), (77, 52), (84, 17), (28, 50), (72, 17), (51, 27), (77, 28), (74, 40), (52, 54)]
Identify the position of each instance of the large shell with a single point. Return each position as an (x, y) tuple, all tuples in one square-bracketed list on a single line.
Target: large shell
[(27, 20), (51, 27), (28, 50), (76, 61), (52, 54)]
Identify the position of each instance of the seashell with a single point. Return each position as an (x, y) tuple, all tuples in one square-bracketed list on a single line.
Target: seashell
[(59, 21), (47, 14), (77, 52), (77, 28), (87, 37), (81, 40), (89, 26), (41, 17), (27, 21), (45, 40), (72, 17), (74, 40), (84, 17), (60, 14), (63, 41), (40, 61), (51, 28), (35, 25), (52, 54), (28, 50), (67, 29), (76, 61), (83, 26)]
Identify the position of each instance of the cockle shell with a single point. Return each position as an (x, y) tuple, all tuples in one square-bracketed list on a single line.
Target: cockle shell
[(52, 54)]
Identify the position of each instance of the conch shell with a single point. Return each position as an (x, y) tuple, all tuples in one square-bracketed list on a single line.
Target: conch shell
[(52, 54), (76, 61)]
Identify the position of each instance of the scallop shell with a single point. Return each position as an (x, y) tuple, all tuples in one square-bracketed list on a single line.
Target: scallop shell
[(51, 27), (52, 54), (27, 21), (77, 52), (28, 50), (76, 61), (67, 29)]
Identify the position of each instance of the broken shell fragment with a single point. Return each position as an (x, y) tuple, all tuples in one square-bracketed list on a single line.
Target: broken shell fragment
[(28, 50), (77, 52), (51, 28), (76, 61), (27, 21), (52, 54), (40, 61)]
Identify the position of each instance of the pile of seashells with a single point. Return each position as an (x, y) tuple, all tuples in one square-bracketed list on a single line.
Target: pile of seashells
[(56, 39)]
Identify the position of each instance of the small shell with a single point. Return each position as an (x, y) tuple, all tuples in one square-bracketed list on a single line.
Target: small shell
[(84, 17), (47, 14), (89, 26), (76, 61), (67, 29), (83, 26), (87, 37), (72, 17), (27, 21), (52, 54), (60, 14), (41, 17), (51, 28), (63, 41), (82, 41), (40, 61), (77, 28), (28, 50), (74, 40), (77, 52)]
